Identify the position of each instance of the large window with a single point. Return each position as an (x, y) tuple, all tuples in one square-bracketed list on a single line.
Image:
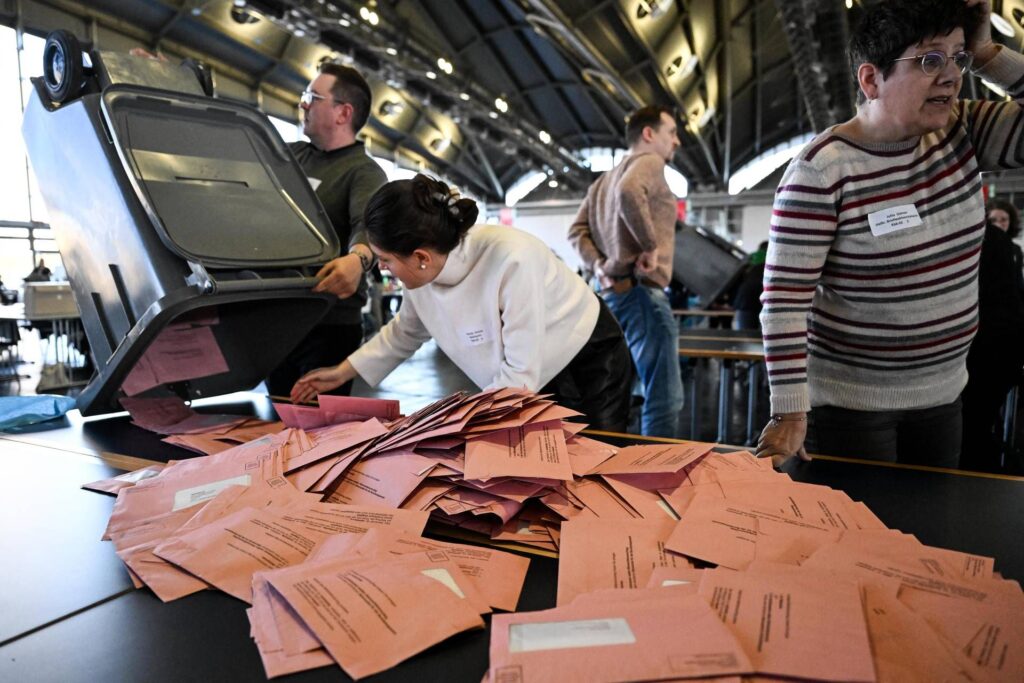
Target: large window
[(24, 235)]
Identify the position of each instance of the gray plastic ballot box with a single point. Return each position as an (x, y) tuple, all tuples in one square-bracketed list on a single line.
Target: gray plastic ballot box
[(179, 216)]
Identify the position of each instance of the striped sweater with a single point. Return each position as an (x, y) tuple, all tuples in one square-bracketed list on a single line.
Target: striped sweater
[(868, 322)]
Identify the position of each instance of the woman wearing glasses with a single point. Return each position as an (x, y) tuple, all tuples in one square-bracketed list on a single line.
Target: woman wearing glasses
[(871, 297), (498, 302)]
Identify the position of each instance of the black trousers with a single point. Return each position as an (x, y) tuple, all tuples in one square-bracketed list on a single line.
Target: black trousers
[(325, 345), (598, 381), (929, 436)]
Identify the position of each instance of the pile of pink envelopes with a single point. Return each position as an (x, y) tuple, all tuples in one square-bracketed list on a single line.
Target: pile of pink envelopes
[(675, 561)]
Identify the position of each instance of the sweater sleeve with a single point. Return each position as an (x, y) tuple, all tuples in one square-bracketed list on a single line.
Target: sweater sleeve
[(581, 235), (997, 128), (803, 228), (521, 302), (395, 342)]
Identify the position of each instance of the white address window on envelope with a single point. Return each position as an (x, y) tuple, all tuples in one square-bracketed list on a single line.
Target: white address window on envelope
[(186, 498), (558, 635)]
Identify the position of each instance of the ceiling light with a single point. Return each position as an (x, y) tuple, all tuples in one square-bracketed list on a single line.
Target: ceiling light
[(545, 137), (464, 96), (849, 4), (678, 68), (439, 145), (650, 8), (552, 184), (391, 108), (493, 114), (368, 15), (444, 65), (431, 75), (1002, 25), (501, 105), (344, 22), (391, 51), (994, 88)]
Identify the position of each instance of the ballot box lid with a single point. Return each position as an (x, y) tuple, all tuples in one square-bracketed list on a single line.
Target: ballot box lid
[(705, 263), (217, 181)]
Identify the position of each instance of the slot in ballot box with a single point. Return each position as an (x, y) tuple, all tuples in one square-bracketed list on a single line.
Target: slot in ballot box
[(175, 212)]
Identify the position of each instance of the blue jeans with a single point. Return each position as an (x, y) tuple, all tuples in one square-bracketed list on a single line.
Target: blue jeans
[(652, 334)]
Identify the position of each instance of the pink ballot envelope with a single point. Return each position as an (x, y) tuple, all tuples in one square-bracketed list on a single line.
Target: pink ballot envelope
[(123, 481), (227, 552), (536, 451), (372, 616), (363, 408), (381, 480), (585, 454), (598, 553), (805, 626), (662, 459), (674, 637)]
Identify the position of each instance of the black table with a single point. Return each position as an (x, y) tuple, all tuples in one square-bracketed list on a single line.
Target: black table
[(68, 613)]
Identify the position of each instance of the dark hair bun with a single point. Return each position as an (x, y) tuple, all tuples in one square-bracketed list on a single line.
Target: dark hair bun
[(406, 215), (464, 214)]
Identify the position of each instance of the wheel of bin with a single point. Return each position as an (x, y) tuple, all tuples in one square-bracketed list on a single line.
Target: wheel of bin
[(62, 65)]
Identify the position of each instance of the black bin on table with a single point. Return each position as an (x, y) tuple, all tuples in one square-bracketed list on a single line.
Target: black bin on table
[(705, 264), (168, 206)]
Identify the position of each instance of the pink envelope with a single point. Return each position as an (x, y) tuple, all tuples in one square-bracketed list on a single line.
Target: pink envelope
[(653, 459), (803, 626), (536, 451), (675, 636), (603, 553)]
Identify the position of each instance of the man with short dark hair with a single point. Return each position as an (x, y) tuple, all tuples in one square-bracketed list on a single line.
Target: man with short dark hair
[(335, 106), (625, 234)]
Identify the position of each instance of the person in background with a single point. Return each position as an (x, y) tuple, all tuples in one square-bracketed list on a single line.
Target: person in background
[(496, 300), (997, 353), (870, 290), (40, 273), (746, 299), (335, 106), (625, 235), (1005, 216)]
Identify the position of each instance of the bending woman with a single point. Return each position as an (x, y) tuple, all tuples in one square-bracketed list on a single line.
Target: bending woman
[(496, 300)]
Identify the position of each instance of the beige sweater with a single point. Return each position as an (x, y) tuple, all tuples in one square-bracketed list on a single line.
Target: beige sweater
[(627, 211)]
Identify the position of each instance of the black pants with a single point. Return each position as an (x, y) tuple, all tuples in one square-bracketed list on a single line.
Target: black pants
[(992, 370), (929, 436), (598, 381), (325, 345)]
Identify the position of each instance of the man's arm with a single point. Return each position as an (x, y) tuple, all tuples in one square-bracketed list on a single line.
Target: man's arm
[(342, 275)]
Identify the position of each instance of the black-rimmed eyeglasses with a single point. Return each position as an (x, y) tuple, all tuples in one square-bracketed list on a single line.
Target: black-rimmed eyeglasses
[(307, 98), (935, 61)]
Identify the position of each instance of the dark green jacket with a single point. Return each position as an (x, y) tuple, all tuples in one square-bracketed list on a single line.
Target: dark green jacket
[(348, 178)]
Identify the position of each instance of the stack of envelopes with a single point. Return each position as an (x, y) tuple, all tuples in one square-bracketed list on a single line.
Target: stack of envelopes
[(676, 562)]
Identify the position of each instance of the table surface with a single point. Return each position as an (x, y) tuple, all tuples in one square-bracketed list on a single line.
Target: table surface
[(62, 586)]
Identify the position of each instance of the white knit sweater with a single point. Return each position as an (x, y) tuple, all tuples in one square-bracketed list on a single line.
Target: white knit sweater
[(504, 308)]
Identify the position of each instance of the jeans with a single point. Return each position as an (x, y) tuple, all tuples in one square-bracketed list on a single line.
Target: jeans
[(653, 338), (928, 436)]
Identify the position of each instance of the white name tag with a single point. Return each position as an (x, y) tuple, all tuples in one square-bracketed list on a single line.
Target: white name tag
[(557, 635), (893, 219), (314, 182), (474, 336)]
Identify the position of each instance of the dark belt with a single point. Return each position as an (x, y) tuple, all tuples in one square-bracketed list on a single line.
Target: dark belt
[(623, 285)]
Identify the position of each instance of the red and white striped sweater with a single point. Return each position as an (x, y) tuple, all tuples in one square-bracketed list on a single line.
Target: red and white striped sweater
[(884, 322)]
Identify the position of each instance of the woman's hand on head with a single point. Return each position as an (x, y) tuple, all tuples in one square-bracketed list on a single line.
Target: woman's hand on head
[(981, 43)]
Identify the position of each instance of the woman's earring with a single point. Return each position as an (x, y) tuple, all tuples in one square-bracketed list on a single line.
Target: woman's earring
[(423, 266)]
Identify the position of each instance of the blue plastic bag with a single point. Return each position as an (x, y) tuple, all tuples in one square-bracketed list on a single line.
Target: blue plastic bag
[(18, 411)]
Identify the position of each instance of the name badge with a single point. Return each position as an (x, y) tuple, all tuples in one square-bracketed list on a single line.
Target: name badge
[(893, 219), (474, 336)]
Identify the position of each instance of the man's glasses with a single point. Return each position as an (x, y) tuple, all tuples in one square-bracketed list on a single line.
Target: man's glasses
[(934, 62), (307, 98)]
